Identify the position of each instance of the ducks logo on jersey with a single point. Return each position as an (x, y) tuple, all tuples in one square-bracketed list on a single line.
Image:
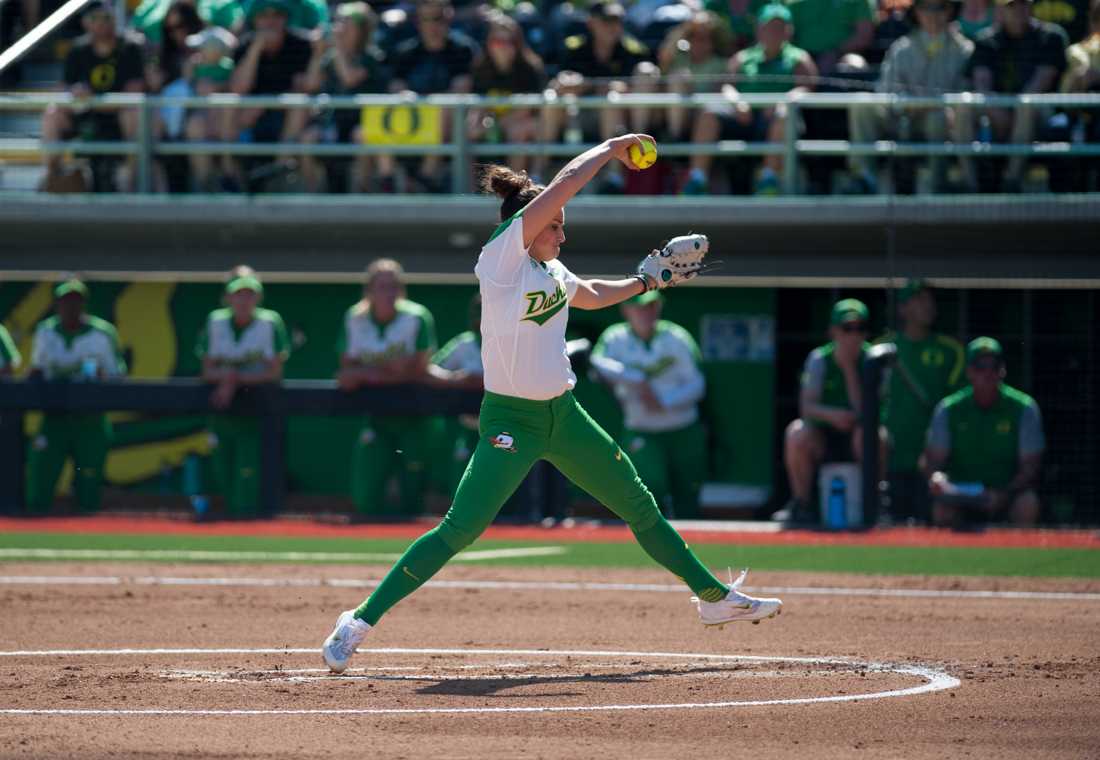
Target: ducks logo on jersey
[(504, 442)]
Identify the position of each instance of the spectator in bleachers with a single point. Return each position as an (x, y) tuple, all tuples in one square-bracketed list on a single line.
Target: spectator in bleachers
[(305, 15), (600, 61), (9, 354), (458, 365), (739, 18), (894, 20), (985, 445), (832, 29), (241, 344), (388, 340), (693, 59), (773, 64), (437, 60), (929, 366), (99, 62), (1020, 55), (149, 17), (348, 63), (975, 16), (71, 345), (165, 63), (1083, 62), (506, 66), (653, 368), (931, 60), (207, 72), (271, 60), (828, 427)]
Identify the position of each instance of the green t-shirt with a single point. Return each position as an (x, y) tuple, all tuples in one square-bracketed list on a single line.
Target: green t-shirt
[(925, 372), (756, 73), (823, 25), (9, 354), (985, 445), (741, 25), (149, 16), (822, 376)]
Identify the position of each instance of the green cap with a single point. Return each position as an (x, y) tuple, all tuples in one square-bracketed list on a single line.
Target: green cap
[(258, 6), (849, 310), (70, 286), (911, 287), (646, 298), (982, 347), (247, 282), (773, 11)]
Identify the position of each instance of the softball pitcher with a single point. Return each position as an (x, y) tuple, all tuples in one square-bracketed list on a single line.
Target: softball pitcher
[(653, 366), (529, 411), (75, 346)]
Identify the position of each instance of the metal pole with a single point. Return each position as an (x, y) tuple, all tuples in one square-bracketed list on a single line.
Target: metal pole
[(145, 147), (790, 149), (39, 33), (460, 161), (876, 360)]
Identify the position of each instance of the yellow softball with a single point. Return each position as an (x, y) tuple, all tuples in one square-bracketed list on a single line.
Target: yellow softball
[(643, 160)]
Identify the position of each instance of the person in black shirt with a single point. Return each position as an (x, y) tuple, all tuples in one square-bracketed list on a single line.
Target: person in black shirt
[(508, 65), (101, 61), (346, 64), (437, 60), (1020, 55), (271, 60), (603, 60)]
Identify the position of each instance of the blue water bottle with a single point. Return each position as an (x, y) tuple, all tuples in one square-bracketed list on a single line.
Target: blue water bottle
[(837, 514), (192, 485)]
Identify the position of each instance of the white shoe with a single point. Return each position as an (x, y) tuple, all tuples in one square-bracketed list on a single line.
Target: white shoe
[(343, 641), (737, 606)]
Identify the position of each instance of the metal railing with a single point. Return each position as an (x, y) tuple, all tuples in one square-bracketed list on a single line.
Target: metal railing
[(462, 151)]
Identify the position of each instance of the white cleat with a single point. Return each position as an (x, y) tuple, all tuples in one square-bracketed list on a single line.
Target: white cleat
[(343, 641), (737, 606)]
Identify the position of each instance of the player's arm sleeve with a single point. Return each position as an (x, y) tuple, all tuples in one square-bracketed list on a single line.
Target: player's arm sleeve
[(282, 338), (447, 357), (692, 384), (425, 336), (504, 254), (939, 431), (611, 369), (9, 354), (813, 377), (571, 282), (39, 359), (1032, 440)]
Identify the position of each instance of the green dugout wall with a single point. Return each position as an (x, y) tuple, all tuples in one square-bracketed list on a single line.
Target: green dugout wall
[(158, 324)]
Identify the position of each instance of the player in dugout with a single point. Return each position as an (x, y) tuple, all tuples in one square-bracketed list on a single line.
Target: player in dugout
[(529, 411), (985, 446)]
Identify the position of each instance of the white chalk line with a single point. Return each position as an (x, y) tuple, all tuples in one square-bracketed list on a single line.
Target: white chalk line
[(905, 593), (203, 555), (934, 680)]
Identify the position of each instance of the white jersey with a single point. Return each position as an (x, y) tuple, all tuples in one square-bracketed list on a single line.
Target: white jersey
[(461, 354), (247, 348), (61, 355), (524, 312), (368, 342), (669, 363)]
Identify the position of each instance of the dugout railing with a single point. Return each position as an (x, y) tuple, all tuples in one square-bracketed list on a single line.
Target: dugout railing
[(456, 108), (271, 403)]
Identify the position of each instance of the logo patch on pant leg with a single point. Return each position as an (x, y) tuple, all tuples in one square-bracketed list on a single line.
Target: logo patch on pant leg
[(504, 442)]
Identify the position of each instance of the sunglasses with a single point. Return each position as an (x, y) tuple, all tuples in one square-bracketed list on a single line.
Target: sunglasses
[(986, 365), (854, 327), (437, 19), (932, 8)]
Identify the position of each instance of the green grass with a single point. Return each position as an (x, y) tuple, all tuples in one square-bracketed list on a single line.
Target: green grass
[(870, 560)]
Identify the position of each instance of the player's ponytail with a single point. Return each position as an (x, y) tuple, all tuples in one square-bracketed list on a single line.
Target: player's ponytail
[(515, 188)]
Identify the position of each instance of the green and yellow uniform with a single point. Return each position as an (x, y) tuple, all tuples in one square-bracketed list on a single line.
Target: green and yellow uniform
[(756, 73), (667, 446), (924, 372), (9, 354), (529, 413), (462, 353), (389, 445), (985, 445), (88, 353), (823, 378), (237, 450)]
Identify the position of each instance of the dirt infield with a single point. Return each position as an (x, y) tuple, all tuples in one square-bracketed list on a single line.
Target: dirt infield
[(539, 671)]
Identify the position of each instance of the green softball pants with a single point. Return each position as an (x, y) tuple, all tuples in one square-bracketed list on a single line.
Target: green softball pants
[(514, 434), (237, 463), (673, 464), (390, 446), (84, 437)]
